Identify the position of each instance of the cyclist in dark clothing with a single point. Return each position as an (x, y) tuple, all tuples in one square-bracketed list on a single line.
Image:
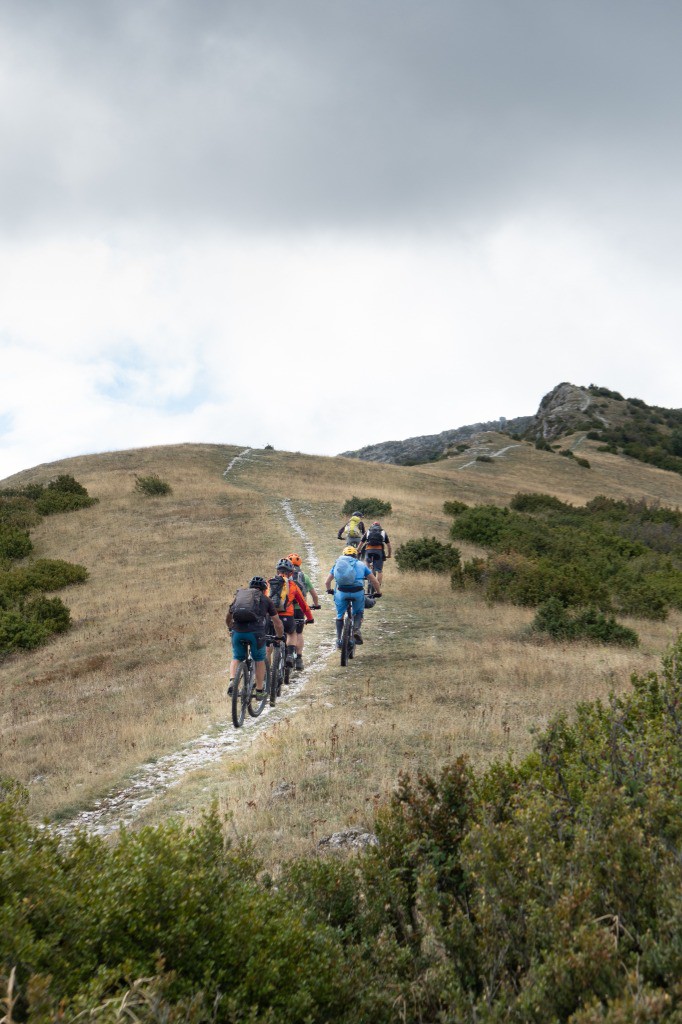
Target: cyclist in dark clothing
[(375, 548), (253, 632)]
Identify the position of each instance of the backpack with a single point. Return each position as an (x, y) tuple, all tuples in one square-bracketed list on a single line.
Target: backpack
[(279, 592), (299, 579), (375, 537), (344, 571), (354, 527), (246, 607)]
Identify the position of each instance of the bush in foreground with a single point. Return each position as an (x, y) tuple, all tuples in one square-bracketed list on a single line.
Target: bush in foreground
[(540, 892)]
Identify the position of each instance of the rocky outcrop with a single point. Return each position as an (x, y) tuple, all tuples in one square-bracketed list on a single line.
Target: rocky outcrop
[(564, 410), (428, 447)]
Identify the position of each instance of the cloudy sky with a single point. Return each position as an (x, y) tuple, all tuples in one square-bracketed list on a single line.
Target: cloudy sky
[(323, 224)]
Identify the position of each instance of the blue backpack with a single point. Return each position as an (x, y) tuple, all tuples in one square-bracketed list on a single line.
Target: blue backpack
[(344, 571)]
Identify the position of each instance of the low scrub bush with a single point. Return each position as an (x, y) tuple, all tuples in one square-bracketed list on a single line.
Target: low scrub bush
[(367, 507), (453, 508), (14, 543), (31, 623), (484, 458), (43, 575), (427, 554), (152, 485), (19, 512), (618, 556), (64, 494), (556, 621)]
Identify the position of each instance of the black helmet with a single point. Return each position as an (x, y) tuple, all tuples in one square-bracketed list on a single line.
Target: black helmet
[(285, 564), (259, 583), (357, 514)]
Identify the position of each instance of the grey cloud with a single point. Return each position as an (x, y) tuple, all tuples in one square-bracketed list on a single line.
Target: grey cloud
[(311, 113)]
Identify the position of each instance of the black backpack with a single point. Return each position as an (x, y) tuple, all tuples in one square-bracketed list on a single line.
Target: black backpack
[(375, 537), (299, 580), (279, 592), (247, 607)]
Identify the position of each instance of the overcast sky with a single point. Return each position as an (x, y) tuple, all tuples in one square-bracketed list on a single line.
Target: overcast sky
[(323, 224)]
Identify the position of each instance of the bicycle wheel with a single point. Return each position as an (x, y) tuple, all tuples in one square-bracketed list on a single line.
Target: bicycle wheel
[(346, 639), (275, 681), (240, 694), (257, 700)]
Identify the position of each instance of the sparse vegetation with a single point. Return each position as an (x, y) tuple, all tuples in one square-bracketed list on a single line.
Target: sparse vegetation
[(152, 485)]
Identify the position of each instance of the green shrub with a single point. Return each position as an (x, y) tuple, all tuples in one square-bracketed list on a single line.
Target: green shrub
[(43, 574), (553, 619), (152, 485), (484, 458), (14, 543), (427, 555), (536, 502), (585, 463), (18, 512), (54, 501), (31, 623), (453, 508), (367, 507)]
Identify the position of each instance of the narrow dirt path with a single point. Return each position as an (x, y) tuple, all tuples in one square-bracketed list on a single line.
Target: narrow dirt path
[(492, 455), (123, 805)]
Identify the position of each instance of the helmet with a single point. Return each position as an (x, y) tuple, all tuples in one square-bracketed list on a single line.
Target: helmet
[(259, 583), (356, 514), (284, 564), (294, 559), (376, 523), (350, 550)]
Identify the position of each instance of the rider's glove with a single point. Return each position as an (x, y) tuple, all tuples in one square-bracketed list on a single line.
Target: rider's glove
[(331, 592), (310, 621), (377, 595), (316, 607)]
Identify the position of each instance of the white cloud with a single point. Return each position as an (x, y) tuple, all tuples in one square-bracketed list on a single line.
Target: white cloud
[(317, 344)]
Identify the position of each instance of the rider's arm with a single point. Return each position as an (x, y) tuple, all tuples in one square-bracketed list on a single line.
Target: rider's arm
[(228, 619), (340, 533), (277, 623), (329, 580), (374, 581), (313, 594), (298, 597)]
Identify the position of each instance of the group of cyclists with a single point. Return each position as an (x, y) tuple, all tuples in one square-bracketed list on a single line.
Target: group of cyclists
[(272, 611)]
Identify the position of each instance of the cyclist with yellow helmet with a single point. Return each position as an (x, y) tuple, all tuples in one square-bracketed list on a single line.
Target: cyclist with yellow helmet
[(350, 574)]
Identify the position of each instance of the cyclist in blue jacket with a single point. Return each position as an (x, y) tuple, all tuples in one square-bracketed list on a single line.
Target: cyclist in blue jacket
[(350, 575)]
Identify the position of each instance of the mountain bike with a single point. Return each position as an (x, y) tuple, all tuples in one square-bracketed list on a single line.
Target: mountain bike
[(245, 697), (348, 644), (279, 671)]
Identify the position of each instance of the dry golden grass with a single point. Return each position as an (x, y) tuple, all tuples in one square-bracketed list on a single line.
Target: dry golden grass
[(143, 670)]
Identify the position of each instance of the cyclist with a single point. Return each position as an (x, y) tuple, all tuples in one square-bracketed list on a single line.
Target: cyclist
[(350, 575), (286, 594), (302, 580), (375, 547), (353, 530), (248, 618)]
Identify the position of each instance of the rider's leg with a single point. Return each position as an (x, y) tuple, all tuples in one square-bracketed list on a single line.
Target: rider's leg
[(289, 624), (298, 636), (239, 652), (358, 614)]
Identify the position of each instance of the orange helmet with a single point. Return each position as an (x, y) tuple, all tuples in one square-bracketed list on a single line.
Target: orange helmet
[(294, 559)]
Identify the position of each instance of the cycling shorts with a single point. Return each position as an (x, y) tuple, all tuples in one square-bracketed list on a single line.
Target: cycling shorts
[(356, 599), (241, 642), (289, 623), (375, 560)]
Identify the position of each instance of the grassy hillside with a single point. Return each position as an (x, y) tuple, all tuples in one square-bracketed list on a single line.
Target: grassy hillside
[(144, 668)]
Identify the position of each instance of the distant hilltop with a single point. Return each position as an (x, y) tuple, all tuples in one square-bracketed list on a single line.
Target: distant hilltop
[(623, 423)]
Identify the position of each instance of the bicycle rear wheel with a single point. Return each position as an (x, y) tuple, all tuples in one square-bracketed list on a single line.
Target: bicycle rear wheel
[(275, 682), (346, 639), (240, 694), (257, 700)]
